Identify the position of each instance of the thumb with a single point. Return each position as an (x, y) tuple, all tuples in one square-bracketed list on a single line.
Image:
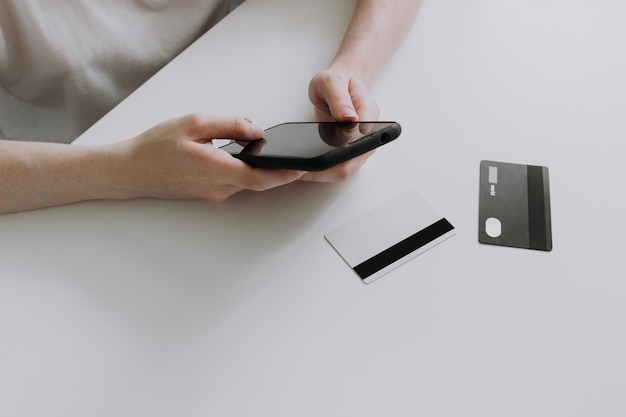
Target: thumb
[(332, 92), (341, 107), (343, 111)]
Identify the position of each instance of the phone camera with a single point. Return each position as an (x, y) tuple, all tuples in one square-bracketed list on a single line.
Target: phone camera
[(384, 138)]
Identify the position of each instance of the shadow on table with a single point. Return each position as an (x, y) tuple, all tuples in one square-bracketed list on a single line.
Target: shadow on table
[(160, 266)]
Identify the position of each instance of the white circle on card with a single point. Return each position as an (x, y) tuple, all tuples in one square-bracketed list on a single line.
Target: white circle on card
[(493, 227)]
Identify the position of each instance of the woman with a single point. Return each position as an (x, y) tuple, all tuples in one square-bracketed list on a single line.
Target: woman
[(64, 64)]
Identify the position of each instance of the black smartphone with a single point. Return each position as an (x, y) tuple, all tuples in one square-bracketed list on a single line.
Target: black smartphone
[(313, 146)]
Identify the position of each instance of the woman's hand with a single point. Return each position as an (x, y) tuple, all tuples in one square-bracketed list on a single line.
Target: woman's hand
[(338, 95), (177, 159)]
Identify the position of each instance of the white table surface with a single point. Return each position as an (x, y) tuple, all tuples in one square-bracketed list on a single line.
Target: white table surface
[(191, 308)]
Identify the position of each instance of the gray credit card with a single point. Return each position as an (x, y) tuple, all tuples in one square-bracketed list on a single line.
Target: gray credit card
[(514, 206)]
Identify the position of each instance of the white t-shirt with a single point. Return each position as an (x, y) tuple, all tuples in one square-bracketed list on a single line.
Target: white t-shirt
[(65, 63)]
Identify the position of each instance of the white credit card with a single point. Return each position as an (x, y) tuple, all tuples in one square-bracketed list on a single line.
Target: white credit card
[(389, 235)]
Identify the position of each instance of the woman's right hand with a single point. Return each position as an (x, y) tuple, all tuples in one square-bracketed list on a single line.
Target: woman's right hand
[(177, 160)]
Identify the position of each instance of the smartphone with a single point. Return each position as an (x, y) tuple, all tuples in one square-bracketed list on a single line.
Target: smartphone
[(313, 146)]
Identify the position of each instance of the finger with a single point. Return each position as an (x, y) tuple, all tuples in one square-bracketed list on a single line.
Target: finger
[(260, 179), (339, 173), (200, 126), (332, 93), (337, 134), (242, 175), (255, 147), (364, 104)]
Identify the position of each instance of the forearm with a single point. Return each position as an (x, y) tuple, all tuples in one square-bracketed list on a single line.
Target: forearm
[(36, 175), (376, 29), (175, 159)]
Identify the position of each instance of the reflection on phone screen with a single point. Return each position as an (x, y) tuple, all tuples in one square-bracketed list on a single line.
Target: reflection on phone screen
[(306, 140)]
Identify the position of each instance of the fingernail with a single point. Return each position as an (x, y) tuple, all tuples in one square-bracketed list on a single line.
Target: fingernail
[(348, 113), (252, 125)]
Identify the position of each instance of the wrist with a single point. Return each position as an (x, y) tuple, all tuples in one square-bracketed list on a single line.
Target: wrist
[(38, 175), (350, 69), (114, 172)]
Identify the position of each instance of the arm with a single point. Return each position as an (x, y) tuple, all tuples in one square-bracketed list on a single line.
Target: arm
[(340, 92), (175, 159), (376, 29)]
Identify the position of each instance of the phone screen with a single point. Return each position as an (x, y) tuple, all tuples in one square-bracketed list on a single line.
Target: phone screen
[(306, 140)]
